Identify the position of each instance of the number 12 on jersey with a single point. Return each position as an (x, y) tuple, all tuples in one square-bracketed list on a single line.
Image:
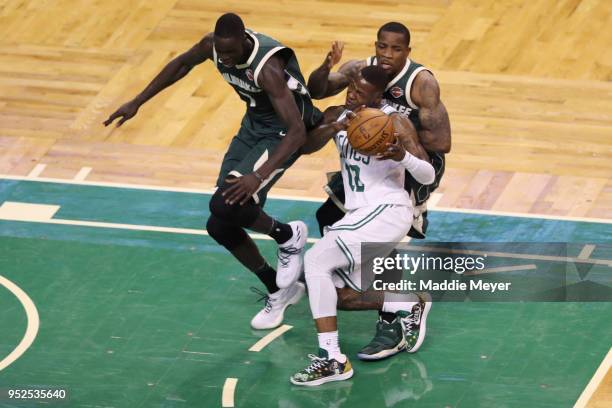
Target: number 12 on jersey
[(353, 174)]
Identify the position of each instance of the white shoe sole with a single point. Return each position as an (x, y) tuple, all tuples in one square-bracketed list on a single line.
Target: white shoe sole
[(422, 329), (284, 279), (338, 377), (294, 300), (383, 354)]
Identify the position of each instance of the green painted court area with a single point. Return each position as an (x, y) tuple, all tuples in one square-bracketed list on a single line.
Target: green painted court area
[(132, 318)]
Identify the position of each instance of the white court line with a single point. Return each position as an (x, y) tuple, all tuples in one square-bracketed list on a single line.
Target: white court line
[(82, 174), (147, 187), (197, 352), (36, 171), (32, 326), (297, 198), (26, 212), (501, 269), (591, 387), (269, 338), (227, 398), (586, 251), (134, 227), (10, 216)]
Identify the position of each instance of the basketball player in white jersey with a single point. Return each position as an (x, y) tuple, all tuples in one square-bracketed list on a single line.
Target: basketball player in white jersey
[(379, 210)]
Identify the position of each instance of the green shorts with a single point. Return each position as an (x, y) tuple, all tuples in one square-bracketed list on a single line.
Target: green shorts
[(248, 150), (255, 142)]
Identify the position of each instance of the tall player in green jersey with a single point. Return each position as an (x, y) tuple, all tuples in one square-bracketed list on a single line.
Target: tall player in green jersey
[(266, 76), (414, 92)]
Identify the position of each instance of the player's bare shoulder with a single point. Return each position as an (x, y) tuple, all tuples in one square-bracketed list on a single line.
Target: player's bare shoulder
[(200, 52), (425, 90)]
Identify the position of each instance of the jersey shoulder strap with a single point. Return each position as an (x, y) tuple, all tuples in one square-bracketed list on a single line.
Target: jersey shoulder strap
[(266, 48)]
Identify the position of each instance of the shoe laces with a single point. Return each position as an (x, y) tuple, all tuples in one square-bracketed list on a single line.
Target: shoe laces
[(316, 364), (412, 319), (284, 254), (265, 297)]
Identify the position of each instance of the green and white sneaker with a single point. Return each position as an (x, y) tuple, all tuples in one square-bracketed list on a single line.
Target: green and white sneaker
[(388, 340), (414, 325), (322, 369)]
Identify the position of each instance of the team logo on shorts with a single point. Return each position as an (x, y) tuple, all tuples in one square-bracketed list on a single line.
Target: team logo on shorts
[(396, 91), (249, 74)]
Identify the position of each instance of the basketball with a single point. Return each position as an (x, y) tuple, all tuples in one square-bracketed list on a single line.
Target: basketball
[(370, 131)]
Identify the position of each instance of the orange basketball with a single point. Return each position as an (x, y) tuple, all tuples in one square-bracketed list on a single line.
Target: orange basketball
[(370, 131)]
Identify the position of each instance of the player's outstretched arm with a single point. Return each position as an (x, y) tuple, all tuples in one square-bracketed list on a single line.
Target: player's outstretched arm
[(436, 133), (172, 72), (323, 83), (319, 136), (272, 81)]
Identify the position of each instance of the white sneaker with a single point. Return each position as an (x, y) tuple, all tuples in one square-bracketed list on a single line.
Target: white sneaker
[(272, 314), (290, 256)]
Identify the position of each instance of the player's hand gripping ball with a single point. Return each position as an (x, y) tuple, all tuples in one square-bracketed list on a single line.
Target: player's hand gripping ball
[(370, 131)]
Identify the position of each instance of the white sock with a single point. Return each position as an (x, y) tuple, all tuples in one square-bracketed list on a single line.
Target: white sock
[(328, 341), (394, 302)]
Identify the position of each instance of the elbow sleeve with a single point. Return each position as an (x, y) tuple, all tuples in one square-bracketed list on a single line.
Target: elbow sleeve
[(422, 171)]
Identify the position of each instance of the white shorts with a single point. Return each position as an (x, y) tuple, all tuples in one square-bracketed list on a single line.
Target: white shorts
[(340, 248)]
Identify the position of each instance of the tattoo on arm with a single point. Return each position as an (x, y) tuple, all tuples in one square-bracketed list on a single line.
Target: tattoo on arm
[(436, 134)]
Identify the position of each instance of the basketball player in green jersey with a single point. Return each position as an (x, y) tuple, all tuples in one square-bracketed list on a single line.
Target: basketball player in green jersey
[(414, 92), (266, 76)]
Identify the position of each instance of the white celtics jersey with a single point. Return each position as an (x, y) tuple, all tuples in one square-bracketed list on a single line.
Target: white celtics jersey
[(368, 181)]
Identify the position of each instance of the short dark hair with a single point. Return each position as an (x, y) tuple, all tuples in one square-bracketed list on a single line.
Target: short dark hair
[(395, 27), (376, 76), (229, 25)]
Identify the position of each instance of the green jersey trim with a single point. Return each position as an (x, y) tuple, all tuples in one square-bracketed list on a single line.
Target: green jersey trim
[(400, 75), (253, 53)]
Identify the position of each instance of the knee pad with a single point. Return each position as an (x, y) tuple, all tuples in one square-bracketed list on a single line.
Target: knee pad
[(236, 214), (228, 235), (313, 267)]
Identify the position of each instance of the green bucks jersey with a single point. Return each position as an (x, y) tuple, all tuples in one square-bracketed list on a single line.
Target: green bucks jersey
[(397, 93), (244, 78)]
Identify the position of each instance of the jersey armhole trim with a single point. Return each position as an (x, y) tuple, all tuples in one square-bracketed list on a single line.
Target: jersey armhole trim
[(265, 59), (408, 89)]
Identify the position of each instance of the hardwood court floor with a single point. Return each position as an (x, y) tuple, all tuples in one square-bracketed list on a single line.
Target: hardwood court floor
[(527, 86)]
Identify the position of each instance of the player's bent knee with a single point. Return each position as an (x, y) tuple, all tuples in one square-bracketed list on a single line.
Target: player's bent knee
[(227, 235), (218, 207), (313, 267), (241, 215)]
